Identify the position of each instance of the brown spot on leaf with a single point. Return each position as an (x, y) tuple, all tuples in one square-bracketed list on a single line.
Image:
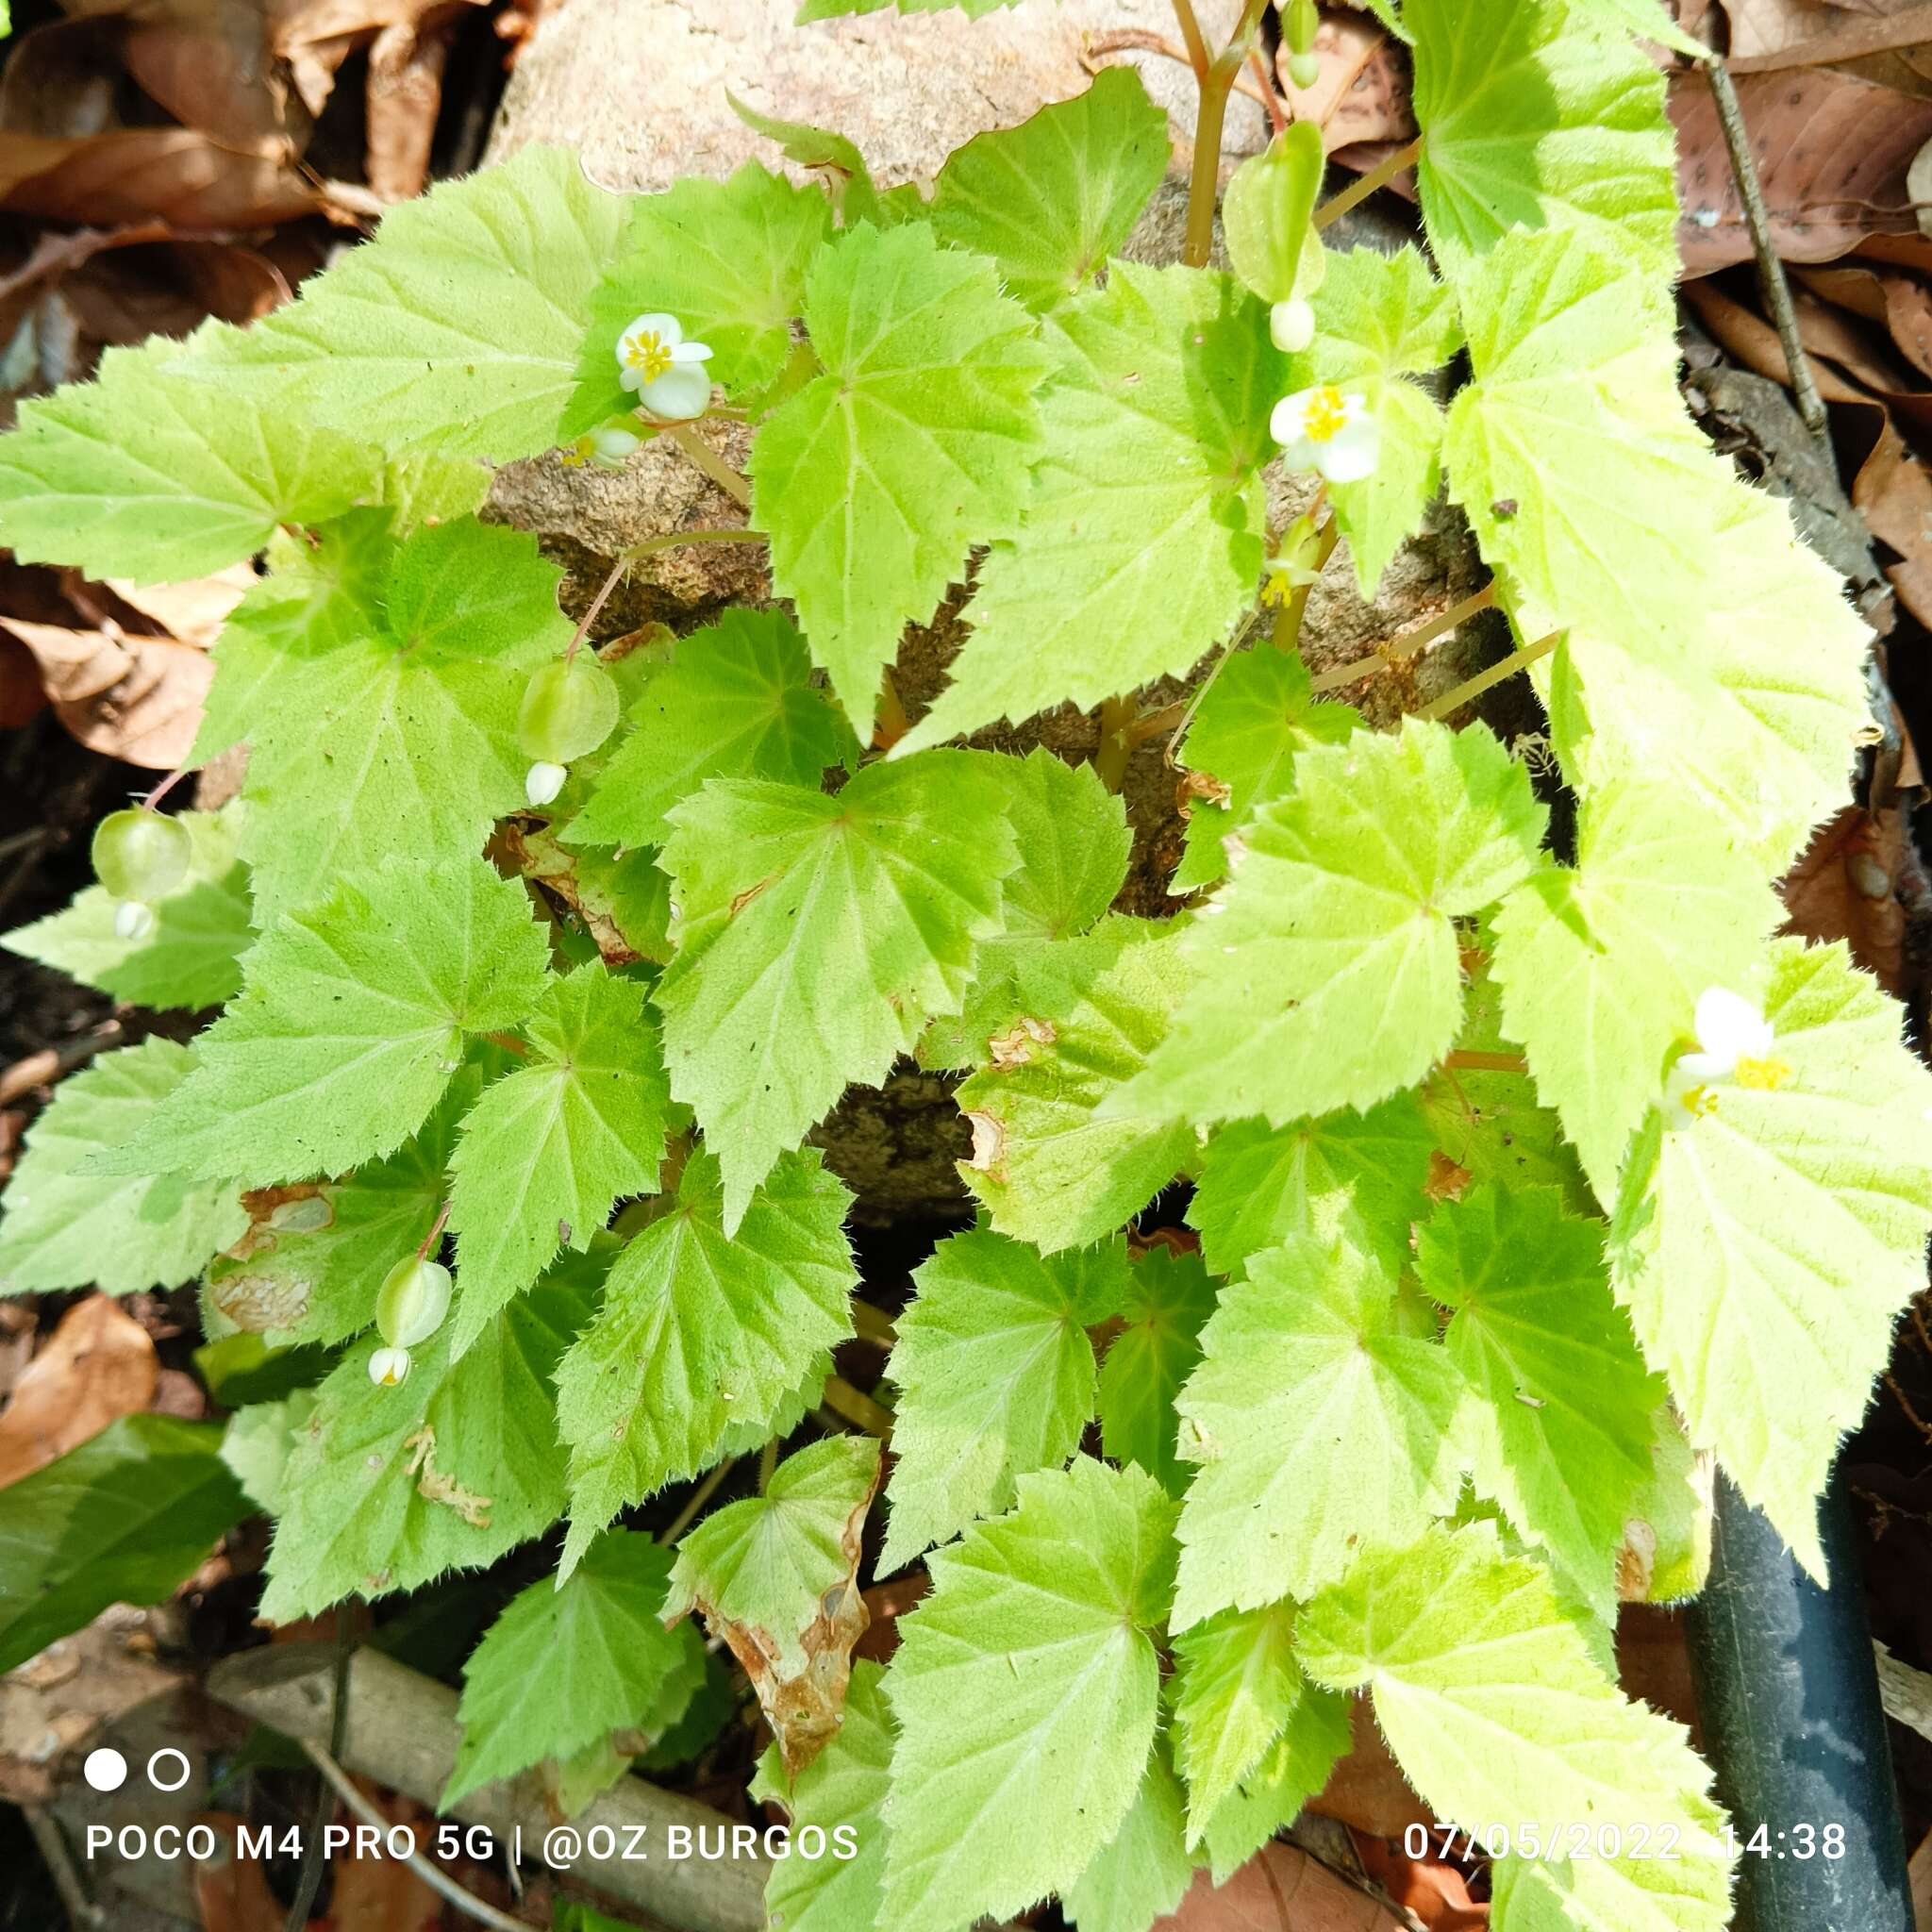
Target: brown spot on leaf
[(1020, 1043), (433, 1485), (989, 1143)]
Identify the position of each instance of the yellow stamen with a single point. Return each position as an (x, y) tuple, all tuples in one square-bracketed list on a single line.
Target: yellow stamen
[(579, 454), (1325, 414), (648, 353), (1274, 587), (1700, 1101), (1762, 1076)]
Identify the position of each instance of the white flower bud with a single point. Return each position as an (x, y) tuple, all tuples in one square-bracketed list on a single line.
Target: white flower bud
[(544, 781), (1292, 326), (412, 1301), (132, 920), (389, 1367)]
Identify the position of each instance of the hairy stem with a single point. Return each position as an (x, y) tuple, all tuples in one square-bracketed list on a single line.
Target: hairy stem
[(1205, 183), (1475, 687), (1378, 177), (856, 1408), (891, 723), (768, 1462), (696, 1501), (1116, 744), (873, 1325), (686, 438), (1398, 650)]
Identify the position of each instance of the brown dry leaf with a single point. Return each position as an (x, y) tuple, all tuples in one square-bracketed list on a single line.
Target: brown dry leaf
[(404, 92), (230, 1890), (1280, 1890), (1832, 152), (193, 613), (1899, 303), (139, 174), (1844, 888), (1362, 92), (885, 1604), (139, 699), (541, 859), (803, 1708), (1367, 1791), (1437, 1894), (383, 1894), (97, 1366), (1892, 490)]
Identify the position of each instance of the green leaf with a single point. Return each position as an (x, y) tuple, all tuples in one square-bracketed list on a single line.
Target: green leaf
[(1489, 1123), (1052, 1163), (551, 1146), (190, 958), (1332, 978), (1168, 1297), (350, 1023), (1765, 1251), (875, 479), (1265, 215), (835, 160), (1563, 1416), (1601, 966), (1447, 1634), (62, 1226), (1534, 116), (810, 10), (1757, 732), (1053, 198), (257, 1444), (1073, 846), (818, 935), (1141, 539), (1648, 21), (122, 1520), (842, 1788), (312, 1257), (1236, 1686), (729, 259), (1025, 1689), (1140, 1873), (1253, 719), (621, 899), (459, 325), (736, 701), (1292, 1770), (777, 1577), (1362, 1174), (566, 1664), (995, 1379), (379, 688), (135, 474), (699, 1332), (1380, 321), (1324, 1417), (387, 1489)]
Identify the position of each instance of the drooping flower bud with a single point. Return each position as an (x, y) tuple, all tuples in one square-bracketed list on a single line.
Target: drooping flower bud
[(389, 1367), (544, 781), (1292, 326)]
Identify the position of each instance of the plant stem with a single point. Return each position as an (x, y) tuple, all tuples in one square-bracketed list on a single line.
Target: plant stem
[(708, 459), (153, 798), (1205, 183), (768, 1462), (873, 1325), (430, 1238), (1475, 687), (1110, 754), (619, 565), (1378, 177), (676, 540), (892, 723), (857, 1407), (509, 1043), (1406, 646), (696, 1501), (1288, 619), (1277, 114), (1470, 1062), (1198, 57)]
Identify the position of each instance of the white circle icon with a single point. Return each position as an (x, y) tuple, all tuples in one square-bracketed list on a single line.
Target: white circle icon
[(154, 1776), (106, 1770)]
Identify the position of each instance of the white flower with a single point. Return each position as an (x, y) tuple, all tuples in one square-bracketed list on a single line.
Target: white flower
[(665, 373), (388, 1366), (1323, 429), (1292, 326), (606, 447), (544, 781), (1733, 1047)]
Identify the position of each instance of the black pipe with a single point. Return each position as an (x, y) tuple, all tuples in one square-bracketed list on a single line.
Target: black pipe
[(1788, 1693)]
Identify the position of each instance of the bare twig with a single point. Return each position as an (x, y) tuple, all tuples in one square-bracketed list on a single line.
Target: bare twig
[(311, 1880), (432, 1876), (1771, 271), (43, 1068)]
